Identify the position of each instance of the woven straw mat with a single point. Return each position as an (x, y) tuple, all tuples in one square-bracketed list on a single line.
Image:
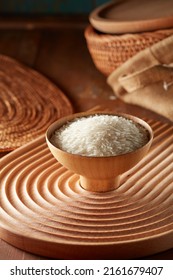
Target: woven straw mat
[(29, 103)]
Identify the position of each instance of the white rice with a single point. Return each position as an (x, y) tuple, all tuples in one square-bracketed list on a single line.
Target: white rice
[(100, 135)]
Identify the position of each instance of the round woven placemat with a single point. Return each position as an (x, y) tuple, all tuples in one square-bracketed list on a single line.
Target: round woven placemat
[(29, 102)]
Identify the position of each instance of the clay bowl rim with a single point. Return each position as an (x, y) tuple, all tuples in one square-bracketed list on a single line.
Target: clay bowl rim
[(62, 121)]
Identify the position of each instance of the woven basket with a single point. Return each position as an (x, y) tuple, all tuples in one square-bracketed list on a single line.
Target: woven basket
[(110, 51)]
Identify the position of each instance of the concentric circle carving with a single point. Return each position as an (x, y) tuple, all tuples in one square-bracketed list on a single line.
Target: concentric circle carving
[(29, 103), (45, 210)]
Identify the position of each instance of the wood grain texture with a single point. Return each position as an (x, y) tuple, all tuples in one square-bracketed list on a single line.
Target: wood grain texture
[(45, 211), (69, 65), (20, 44)]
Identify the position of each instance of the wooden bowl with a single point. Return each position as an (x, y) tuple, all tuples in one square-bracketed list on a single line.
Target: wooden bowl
[(98, 174)]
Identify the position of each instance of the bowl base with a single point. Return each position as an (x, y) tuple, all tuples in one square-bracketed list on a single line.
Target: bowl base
[(96, 185)]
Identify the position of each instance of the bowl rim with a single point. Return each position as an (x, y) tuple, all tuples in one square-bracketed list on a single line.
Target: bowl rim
[(71, 117)]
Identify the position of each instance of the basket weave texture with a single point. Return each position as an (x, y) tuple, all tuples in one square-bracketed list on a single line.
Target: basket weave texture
[(110, 51), (29, 103)]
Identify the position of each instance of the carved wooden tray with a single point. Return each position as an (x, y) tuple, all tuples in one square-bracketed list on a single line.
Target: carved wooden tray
[(29, 103), (45, 211), (132, 16)]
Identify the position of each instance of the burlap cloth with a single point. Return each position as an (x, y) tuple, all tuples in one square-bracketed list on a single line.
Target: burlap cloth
[(146, 79)]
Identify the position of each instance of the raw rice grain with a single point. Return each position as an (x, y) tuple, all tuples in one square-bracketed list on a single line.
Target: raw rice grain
[(100, 135)]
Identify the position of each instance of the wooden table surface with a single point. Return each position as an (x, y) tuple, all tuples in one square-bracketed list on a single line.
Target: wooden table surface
[(57, 49)]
